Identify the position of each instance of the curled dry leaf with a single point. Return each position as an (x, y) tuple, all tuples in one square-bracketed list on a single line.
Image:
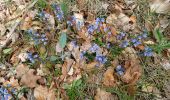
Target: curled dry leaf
[(132, 72), (21, 69), (160, 6), (103, 95), (29, 79), (43, 93), (109, 79), (66, 67)]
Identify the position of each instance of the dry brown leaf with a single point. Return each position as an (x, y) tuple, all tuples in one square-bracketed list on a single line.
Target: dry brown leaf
[(103, 95), (133, 19), (26, 23), (66, 67), (29, 79), (109, 79), (111, 19), (160, 6), (43, 93), (21, 69), (90, 66), (113, 30), (132, 72)]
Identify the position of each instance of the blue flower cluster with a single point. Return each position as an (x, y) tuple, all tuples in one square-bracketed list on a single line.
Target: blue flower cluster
[(44, 15), (32, 57), (94, 48), (100, 58), (120, 70), (96, 26), (82, 54), (124, 44), (148, 52), (107, 30), (91, 29), (58, 12), (4, 94), (99, 21), (38, 39), (135, 42), (121, 35)]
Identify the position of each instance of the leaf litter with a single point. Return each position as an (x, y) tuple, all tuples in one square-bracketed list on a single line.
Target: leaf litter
[(50, 52)]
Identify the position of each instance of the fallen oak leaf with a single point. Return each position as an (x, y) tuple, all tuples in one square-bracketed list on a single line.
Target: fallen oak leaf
[(109, 79), (29, 79), (21, 69), (103, 95), (43, 93), (132, 73)]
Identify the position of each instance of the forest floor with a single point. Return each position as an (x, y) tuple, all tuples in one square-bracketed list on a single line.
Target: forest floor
[(84, 50)]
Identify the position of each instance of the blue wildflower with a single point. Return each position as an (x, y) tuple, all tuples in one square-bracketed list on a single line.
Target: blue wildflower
[(94, 48), (135, 42), (58, 12), (79, 25), (124, 44), (144, 35), (91, 29), (4, 95), (82, 54), (108, 45), (32, 57), (139, 37), (106, 29), (100, 58), (43, 38), (121, 35), (120, 70), (148, 52), (74, 44)]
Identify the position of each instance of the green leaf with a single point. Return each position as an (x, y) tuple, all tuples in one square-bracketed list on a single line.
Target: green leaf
[(76, 83), (42, 3), (53, 58), (167, 46), (63, 39), (158, 35), (7, 51), (64, 8)]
